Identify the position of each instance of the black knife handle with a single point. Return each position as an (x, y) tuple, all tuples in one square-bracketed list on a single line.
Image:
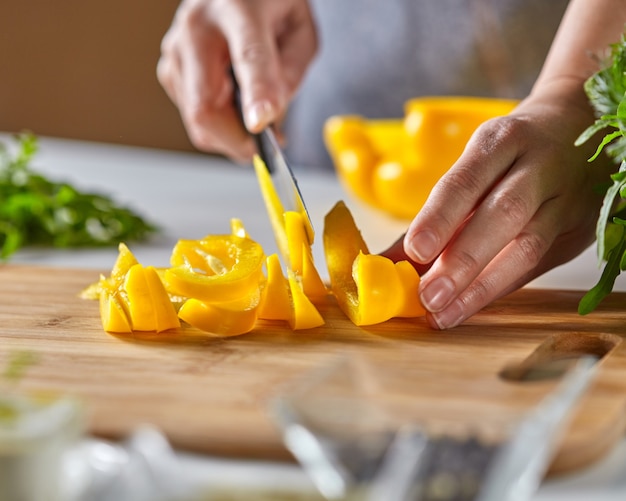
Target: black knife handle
[(258, 139)]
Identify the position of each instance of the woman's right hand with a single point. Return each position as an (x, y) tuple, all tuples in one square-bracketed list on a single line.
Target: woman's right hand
[(268, 43)]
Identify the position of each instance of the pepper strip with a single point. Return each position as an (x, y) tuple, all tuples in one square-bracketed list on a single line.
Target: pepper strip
[(217, 268), (369, 288)]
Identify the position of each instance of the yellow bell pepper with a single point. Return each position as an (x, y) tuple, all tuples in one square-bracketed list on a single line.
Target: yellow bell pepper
[(292, 230), (114, 312), (216, 268), (285, 299), (369, 288), (393, 164), (275, 303), (231, 318), (133, 298), (294, 237), (149, 305)]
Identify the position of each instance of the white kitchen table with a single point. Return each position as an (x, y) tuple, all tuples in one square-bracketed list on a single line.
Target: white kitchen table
[(190, 195)]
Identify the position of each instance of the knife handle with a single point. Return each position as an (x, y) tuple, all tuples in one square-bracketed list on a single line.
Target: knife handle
[(257, 137)]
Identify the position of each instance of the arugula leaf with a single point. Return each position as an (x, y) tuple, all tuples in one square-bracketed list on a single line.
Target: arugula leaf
[(606, 91), (35, 210), (603, 288)]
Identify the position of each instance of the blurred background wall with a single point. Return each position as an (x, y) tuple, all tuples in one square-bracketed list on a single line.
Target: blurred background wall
[(87, 69)]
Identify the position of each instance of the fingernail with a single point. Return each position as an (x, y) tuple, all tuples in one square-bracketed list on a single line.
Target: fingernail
[(424, 245), (452, 316), (258, 115), (437, 294)]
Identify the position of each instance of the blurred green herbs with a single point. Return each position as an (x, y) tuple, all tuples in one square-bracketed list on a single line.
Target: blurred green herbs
[(606, 91), (35, 210)]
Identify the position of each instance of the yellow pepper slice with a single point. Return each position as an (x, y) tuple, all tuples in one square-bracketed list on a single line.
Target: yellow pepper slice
[(114, 312), (292, 230), (285, 299), (369, 288), (393, 164), (276, 303), (222, 319), (125, 259), (216, 268), (294, 237), (149, 304)]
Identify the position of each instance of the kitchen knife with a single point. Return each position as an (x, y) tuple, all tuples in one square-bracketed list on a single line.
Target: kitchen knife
[(269, 151)]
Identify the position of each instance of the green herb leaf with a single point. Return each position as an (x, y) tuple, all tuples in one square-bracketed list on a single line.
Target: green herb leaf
[(603, 288), (606, 91), (38, 211)]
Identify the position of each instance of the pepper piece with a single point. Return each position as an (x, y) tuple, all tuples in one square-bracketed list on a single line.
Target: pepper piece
[(217, 268), (294, 237), (293, 233), (222, 319), (114, 312), (149, 305), (276, 303), (369, 288), (285, 299)]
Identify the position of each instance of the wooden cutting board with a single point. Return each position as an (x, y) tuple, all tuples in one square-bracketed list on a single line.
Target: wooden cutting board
[(211, 394)]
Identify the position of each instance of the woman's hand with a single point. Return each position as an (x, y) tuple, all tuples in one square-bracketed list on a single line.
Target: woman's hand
[(518, 202), (269, 43)]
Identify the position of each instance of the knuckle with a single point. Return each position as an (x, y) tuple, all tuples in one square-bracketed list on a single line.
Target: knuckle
[(491, 134), (480, 293), (531, 248), (511, 206), (254, 52), (466, 263), (461, 183)]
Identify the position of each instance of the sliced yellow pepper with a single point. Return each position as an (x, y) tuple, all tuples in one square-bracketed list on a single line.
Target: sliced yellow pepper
[(369, 288), (294, 237), (114, 312), (393, 164), (285, 299), (222, 319), (292, 229), (276, 303), (216, 268), (149, 305)]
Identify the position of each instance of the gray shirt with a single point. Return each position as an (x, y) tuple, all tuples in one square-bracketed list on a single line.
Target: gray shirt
[(376, 54)]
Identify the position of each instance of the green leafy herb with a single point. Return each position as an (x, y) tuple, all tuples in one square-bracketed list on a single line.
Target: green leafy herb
[(606, 91), (35, 210)]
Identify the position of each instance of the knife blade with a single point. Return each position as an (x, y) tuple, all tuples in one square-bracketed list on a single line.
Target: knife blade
[(283, 177)]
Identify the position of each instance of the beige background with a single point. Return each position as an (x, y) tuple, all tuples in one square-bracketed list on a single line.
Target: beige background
[(87, 69)]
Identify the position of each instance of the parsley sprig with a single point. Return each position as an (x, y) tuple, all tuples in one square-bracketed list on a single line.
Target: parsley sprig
[(606, 91), (35, 210)]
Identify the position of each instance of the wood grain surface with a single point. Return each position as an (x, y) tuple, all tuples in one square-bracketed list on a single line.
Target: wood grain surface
[(212, 395)]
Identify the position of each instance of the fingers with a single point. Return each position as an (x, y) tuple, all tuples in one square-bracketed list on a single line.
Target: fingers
[(451, 299), (396, 253), (268, 43), (460, 190), (497, 219), (193, 71)]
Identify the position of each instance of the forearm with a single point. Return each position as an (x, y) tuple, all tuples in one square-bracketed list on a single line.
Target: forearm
[(588, 28)]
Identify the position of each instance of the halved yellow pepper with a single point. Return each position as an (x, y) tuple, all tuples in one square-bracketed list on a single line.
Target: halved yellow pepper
[(216, 268), (393, 164), (369, 288)]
